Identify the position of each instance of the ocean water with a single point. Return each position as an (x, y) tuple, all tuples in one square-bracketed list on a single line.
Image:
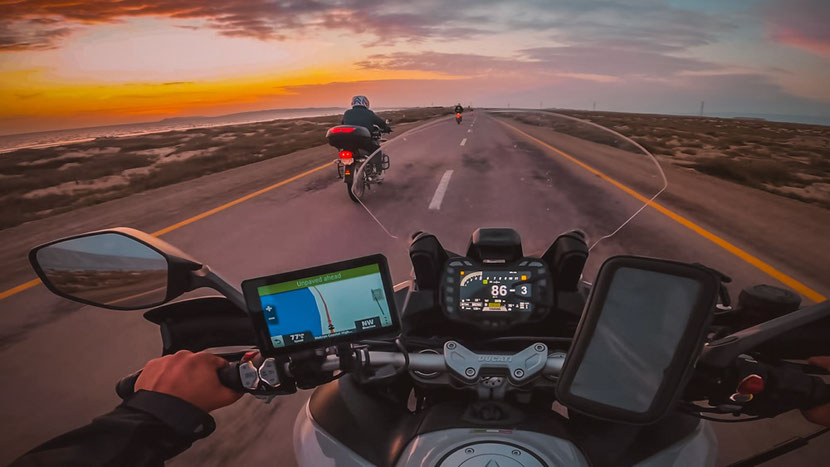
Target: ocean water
[(808, 119), (43, 139)]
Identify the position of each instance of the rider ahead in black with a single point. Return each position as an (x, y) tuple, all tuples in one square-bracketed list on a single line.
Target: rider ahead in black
[(360, 115)]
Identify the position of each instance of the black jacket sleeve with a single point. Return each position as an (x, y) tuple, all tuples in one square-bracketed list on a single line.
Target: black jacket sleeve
[(380, 122), (145, 430)]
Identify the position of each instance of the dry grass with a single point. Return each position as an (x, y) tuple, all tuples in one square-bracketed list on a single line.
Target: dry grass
[(787, 159), (35, 183)]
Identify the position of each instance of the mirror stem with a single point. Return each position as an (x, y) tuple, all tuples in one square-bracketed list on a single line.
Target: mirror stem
[(207, 278)]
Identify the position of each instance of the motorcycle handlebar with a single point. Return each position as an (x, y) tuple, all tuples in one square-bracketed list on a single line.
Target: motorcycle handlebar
[(428, 362), (788, 388), (231, 375)]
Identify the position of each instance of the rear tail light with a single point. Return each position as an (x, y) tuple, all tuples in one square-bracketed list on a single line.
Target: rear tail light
[(346, 157), (457, 115), (346, 129)]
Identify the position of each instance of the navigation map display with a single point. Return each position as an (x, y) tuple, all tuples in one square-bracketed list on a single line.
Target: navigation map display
[(315, 307), (495, 291)]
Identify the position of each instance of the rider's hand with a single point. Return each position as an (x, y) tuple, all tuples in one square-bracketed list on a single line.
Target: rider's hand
[(189, 376), (819, 415)]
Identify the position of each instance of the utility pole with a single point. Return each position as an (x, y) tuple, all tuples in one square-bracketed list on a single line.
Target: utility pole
[(595, 105), (508, 105), (540, 104), (701, 108)]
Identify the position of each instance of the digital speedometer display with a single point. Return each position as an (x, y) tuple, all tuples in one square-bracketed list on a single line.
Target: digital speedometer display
[(495, 291)]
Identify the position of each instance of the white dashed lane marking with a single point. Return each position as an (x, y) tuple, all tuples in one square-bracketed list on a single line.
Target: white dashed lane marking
[(438, 197)]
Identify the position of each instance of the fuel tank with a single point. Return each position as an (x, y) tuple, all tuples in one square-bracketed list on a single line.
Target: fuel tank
[(345, 426)]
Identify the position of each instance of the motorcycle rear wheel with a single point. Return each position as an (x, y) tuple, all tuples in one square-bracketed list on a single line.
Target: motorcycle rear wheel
[(356, 193)]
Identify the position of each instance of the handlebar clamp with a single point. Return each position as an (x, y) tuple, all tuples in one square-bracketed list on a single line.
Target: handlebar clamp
[(520, 368)]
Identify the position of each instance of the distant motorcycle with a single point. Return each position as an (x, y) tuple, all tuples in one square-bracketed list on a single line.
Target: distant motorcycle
[(351, 142), (458, 118)]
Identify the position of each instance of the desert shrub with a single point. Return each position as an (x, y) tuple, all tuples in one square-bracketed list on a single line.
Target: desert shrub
[(749, 172)]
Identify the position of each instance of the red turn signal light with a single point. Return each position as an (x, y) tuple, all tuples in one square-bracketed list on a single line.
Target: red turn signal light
[(346, 155), (342, 129), (752, 384)]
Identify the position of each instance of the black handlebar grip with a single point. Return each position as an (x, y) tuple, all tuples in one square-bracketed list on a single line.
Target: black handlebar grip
[(229, 377), (125, 387)]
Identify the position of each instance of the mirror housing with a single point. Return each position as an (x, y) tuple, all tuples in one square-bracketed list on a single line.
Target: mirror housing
[(197, 324), (179, 267), (634, 350)]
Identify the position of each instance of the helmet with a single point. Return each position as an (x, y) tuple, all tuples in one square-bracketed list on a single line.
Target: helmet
[(362, 101)]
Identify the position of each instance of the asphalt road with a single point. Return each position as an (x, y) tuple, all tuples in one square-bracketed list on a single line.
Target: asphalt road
[(60, 370)]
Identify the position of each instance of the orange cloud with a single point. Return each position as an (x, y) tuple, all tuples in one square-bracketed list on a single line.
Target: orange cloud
[(801, 24)]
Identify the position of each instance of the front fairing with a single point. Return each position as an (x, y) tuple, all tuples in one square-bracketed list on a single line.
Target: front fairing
[(338, 427), (554, 175)]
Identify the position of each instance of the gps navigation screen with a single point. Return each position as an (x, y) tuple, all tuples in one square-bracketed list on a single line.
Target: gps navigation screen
[(495, 291), (330, 305)]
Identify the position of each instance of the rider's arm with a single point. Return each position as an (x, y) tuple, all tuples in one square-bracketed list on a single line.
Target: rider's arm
[(164, 417), (380, 122)]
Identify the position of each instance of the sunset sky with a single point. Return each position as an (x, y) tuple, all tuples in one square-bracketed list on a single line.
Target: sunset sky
[(67, 64)]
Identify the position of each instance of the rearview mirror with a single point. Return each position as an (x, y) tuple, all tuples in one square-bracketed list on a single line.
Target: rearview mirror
[(122, 269), (641, 331), (106, 269)]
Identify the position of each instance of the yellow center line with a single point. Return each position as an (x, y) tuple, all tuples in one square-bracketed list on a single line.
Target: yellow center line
[(237, 201), (19, 288), (754, 261), (178, 225)]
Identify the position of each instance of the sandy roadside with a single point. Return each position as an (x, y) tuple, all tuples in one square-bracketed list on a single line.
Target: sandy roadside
[(158, 208), (790, 234)]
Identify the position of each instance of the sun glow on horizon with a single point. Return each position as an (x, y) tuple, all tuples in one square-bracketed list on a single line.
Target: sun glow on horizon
[(107, 63)]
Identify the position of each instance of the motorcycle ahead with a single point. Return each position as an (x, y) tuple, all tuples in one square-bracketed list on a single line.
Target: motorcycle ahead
[(458, 118), (352, 143)]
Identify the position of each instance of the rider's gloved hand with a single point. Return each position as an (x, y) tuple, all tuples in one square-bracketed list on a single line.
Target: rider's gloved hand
[(189, 376), (819, 415)]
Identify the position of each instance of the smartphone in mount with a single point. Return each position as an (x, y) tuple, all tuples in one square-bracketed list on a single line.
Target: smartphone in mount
[(642, 329)]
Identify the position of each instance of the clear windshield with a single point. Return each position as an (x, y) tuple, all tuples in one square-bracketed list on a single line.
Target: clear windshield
[(538, 172)]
